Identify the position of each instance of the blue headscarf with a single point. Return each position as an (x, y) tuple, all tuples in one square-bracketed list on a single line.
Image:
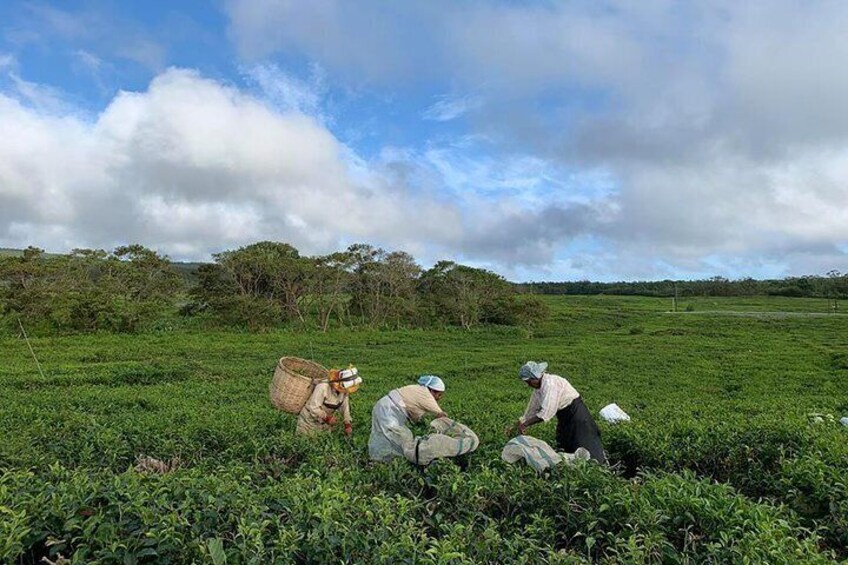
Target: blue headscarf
[(432, 382)]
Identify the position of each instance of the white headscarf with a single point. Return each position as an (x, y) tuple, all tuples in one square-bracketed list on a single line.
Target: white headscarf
[(532, 370), (432, 382)]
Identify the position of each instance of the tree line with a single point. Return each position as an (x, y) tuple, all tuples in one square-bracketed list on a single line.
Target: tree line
[(271, 284), (834, 285), (259, 286)]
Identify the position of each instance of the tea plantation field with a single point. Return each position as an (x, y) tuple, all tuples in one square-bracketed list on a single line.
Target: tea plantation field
[(721, 463)]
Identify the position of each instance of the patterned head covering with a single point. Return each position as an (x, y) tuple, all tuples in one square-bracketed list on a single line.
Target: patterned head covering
[(532, 370), (347, 380), (432, 382)]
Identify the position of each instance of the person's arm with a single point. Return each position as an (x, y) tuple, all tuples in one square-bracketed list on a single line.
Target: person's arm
[(529, 416), (348, 425), (437, 411), (346, 410), (548, 401), (432, 406), (527, 422)]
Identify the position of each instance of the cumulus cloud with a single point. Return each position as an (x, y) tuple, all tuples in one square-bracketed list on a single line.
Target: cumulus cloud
[(191, 166), (720, 124)]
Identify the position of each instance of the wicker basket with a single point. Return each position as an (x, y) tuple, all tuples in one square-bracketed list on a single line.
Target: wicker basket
[(293, 381)]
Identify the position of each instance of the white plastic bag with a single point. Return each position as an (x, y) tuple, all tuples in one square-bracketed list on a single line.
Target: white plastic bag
[(613, 413), (844, 421)]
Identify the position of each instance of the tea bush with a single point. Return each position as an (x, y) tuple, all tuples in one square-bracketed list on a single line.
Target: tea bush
[(721, 462)]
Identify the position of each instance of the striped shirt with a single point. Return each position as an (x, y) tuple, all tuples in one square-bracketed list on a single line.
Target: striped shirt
[(555, 394)]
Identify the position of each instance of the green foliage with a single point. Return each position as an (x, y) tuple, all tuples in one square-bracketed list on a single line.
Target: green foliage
[(382, 287), (87, 290), (719, 465), (464, 296), (266, 284)]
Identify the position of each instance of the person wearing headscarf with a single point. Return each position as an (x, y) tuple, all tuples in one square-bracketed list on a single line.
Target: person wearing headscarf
[(554, 396), (328, 398), (390, 416)]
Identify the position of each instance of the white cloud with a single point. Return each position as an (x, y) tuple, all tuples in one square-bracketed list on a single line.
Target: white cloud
[(191, 166), (89, 61), (7, 61), (145, 51), (40, 96), (289, 93), (89, 34), (719, 126), (447, 108)]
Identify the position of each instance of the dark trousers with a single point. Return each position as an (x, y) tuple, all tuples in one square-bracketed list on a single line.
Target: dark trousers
[(576, 428)]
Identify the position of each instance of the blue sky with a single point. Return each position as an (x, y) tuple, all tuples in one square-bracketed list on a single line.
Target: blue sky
[(600, 140)]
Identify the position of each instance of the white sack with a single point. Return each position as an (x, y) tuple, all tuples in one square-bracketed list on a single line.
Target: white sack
[(451, 439), (613, 413), (538, 454)]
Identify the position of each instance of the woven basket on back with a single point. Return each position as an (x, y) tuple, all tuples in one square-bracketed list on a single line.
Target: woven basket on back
[(293, 381)]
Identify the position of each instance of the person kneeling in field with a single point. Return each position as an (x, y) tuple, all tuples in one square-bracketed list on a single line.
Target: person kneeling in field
[(553, 395), (389, 433), (319, 412)]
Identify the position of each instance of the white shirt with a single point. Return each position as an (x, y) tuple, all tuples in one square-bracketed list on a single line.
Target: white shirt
[(555, 394)]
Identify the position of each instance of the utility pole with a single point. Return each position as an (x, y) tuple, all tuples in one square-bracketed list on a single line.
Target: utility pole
[(674, 299)]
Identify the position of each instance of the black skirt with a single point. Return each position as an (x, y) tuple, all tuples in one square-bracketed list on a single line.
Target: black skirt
[(576, 428)]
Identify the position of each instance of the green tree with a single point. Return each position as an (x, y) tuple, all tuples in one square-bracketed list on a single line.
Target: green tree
[(467, 296), (383, 286), (89, 290), (259, 285)]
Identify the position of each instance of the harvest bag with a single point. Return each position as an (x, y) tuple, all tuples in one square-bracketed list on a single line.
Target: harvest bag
[(293, 381), (451, 439), (537, 453)]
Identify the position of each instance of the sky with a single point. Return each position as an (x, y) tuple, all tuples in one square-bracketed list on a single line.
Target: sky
[(581, 139)]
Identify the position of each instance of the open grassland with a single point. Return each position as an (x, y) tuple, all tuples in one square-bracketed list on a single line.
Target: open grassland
[(720, 463)]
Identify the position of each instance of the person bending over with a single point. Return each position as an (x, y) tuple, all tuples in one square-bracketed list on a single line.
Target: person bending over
[(554, 396)]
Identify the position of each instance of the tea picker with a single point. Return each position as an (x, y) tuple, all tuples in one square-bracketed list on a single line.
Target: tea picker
[(554, 396), (315, 394), (391, 438), (327, 398)]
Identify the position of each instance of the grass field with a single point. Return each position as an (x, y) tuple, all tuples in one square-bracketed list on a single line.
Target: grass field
[(721, 462)]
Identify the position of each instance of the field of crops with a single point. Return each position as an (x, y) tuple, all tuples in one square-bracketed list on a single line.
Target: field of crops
[(721, 462)]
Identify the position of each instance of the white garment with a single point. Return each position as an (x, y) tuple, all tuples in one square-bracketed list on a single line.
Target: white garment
[(555, 394), (390, 438), (388, 428)]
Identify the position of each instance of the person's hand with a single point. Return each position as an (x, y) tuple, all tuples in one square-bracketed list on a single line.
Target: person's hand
[(330, 420), (348, 429), (521, 428), (511, 429)]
